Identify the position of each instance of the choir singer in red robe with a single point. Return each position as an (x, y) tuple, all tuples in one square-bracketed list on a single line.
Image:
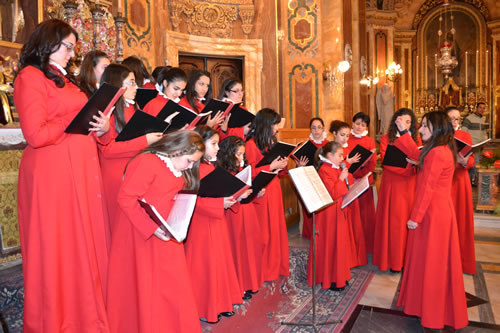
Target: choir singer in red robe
[(432, 286)]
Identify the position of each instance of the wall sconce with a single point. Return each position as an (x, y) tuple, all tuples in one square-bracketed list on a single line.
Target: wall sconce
[(335, 75), (368, 81), (393, 72)]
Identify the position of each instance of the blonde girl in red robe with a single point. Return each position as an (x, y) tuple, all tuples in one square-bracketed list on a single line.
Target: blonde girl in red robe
[(208, 250), (333, 236), (149, 283), (62, 218), (432, 285)]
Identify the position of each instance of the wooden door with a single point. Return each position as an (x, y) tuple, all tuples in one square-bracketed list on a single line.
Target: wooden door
[(220, 69)]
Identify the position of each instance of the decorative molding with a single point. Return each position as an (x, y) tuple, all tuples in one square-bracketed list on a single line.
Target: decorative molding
[(494, 26), (404, 36), (381, 18), (303, 25), (303, 73), (212, 18), (250, 49), (429, 5)]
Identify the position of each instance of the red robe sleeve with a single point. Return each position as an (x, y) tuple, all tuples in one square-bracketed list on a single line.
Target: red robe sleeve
[(140, 175), (39, 128), (254, 156), (406, 144), (428, 181), (336, 187)]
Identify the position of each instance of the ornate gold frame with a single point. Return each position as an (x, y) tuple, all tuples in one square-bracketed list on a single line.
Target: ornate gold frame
[(40, 19)]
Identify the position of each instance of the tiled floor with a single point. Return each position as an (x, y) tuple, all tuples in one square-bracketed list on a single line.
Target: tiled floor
[(381, 295)]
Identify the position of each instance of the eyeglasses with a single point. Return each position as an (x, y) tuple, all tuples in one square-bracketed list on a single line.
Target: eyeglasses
[(237, 91), (130, 83), (68, 46)]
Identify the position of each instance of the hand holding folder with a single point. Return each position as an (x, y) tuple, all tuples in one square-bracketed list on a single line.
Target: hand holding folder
[(279, 150)]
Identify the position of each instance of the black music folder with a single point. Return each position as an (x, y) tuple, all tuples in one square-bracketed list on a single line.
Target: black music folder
[(281, 149), (465, 149), (220, 184), (145, 95), (102, 100), (307, 149), (395, 157), (240, 117), (258, 183), (365, 156), (141, 124), (184, 116), (216, 105)]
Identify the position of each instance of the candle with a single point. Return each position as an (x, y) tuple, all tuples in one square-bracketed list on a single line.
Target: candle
[(417, 73), (487, 60), (435, 71), (425, 73), (477, 68), (119, 7), (466, 69)]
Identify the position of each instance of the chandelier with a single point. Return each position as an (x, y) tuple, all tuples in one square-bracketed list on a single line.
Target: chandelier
[(393, 72), (446, 62)]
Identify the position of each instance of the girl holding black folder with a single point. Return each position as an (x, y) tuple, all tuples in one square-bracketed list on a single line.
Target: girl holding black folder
[(208, 250), (261, 139), (115, 155), (149, 283), (245, 235), (198, 94), (232, 92), (359, 136), (171, 84), (62, 218), (333, 240), (393, 208), (341, 132), (432, 286)]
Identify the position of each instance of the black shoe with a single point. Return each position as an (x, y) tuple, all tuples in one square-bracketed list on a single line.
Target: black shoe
[(251, 292), (393, 271), (212, 322), (227, 314), (334, 287), (247, 296)]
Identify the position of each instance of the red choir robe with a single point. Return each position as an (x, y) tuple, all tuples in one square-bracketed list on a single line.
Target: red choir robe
[(461, 195), (432, 286), (62, 216), (209, 258), (333, 240), (114, 157), (184, 102), (154, 106), (395, 200), (306, 217), (353, 215), (272, 219), (246, 243), (235, 131), (149, 283), (148, 84), (366, 200)]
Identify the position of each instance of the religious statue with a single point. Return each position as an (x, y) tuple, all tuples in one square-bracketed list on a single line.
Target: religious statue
[(5, 111), (450, 94), (385, 107)]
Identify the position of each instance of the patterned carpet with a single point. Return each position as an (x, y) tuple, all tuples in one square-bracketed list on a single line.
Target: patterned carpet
[(288, 299)]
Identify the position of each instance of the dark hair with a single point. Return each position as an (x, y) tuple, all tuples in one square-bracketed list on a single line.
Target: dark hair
[(227, 85), (176, 144), (157, 71), (45, 40), (393, 129), (137, 66), (226, 157), (262, 129), (363, 116), (172, 74), (206, 133), (191, 93), (86, 78), (329, 147), (479, 103), (318, 119), (337, 125), (114, 75), (451, 108), (442, 134)]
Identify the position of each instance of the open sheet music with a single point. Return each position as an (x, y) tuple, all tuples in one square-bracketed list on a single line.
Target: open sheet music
[(311, 189)]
